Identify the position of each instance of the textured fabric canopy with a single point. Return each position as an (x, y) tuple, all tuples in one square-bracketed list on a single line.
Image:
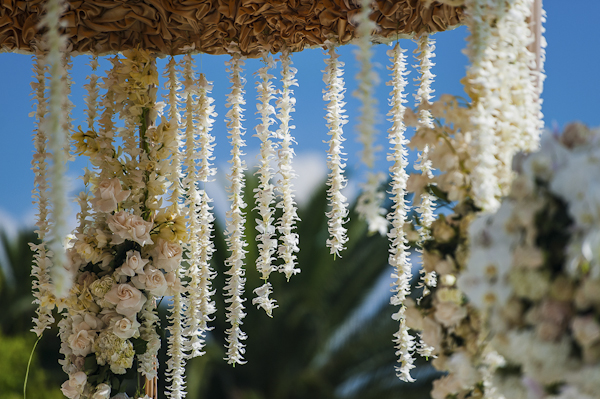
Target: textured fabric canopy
[(172, 26)]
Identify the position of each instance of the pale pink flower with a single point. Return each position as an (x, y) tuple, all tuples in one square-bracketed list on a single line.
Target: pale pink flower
[(130, 227), (74, 386), (166, 255), (108, 195), (128, 299), (152, 280), (134, 264), (125, 328), (449, 313)]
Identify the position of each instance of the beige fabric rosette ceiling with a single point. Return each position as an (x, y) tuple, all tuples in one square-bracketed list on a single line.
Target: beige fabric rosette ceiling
[(168, 26)]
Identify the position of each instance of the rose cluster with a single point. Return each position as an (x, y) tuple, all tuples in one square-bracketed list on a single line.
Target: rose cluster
[(534, 271)]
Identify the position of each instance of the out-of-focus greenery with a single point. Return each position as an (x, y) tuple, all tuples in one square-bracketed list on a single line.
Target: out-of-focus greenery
[(16, 341), (324, 340)]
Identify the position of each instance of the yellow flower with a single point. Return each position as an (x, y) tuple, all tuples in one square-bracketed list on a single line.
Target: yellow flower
[(171, 226), (85, 143)]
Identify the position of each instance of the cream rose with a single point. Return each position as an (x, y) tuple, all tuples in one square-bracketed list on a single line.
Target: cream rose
[(134, 264), (152, 280), (74, 386), (126, 328), (81, 342), (130, 227), (128, 299), (166, 255), (102, 392), (108, 195), (432, 333), (449, 313)]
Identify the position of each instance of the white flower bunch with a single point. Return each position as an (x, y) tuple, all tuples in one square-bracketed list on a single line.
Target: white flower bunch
[(534, 271)]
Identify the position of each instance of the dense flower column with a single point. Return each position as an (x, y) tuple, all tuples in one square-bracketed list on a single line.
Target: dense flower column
[(424, 125), (199, 144), (42, 261), (235, 215), (334, 95), (54, 126), (399, 255), (265, 196), (170, 165), (288, 246), (481, 15), (369, 205)]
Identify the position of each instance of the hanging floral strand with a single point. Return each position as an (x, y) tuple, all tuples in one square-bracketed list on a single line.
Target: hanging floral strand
[(177, 341), (423, 96), (199, 143), (334, 95), (55, 44), (235, 216), (399, 256), (264, 194), (41, 285), (286, 225), (370, 201), (480, 50)]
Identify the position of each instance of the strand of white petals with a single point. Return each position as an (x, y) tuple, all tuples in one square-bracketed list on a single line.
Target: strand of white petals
[(172, 97), (68, 105), (264, 194), (485, 186), (177, 341), (148, 361), (199, 144), (41, 287), (234, 230), (399, 257), (288, 246), (55, 44), (334, 95), (369, 204), (105, 159), (423, 97)]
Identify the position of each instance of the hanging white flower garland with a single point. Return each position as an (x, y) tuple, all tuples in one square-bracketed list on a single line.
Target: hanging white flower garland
[(399, 256), (369, 204), (334, 95), (54, 127), (288, 246), (235, 215), (199, 143), (267, 245)]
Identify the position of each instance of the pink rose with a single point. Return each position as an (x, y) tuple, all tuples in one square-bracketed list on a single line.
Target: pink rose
[(152, 280), (166, 255), (108, 195), (74, 386), (81, 342), (125, 328), (134, 264), (130, 227), (128, 299)]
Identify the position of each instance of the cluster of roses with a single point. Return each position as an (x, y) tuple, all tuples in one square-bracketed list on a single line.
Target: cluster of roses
[(534, 272), (121, 271)]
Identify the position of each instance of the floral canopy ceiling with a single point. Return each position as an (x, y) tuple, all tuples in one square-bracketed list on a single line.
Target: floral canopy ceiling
[(168, 26)]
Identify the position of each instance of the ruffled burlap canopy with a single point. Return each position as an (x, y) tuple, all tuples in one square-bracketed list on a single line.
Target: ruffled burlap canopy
[(168, 26)]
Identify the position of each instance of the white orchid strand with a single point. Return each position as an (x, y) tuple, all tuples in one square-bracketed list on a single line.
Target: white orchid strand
[(286, 225), (399, 257), (334, 95), (234, 231), (41, 286), (264, 194), (369, 204), (198, 150), (55, 128)]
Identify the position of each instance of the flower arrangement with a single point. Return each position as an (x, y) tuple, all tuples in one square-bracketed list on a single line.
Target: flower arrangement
[(533, 271)]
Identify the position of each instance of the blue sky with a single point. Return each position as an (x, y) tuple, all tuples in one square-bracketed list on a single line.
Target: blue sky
[(571, 92)]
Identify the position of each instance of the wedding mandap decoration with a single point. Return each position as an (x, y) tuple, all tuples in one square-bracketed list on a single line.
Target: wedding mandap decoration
[(145, 222)]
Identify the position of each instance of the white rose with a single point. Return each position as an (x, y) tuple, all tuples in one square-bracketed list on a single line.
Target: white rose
[(586, 330), (152, 280), (81, 342), (125, 328), (461, 366), (442, 387), (86, 322), (166, 255), (74, 386), (102, 392), (128, 299), (134, 264), (432, 333), (449, 313), (108, 195), (130, 227)]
